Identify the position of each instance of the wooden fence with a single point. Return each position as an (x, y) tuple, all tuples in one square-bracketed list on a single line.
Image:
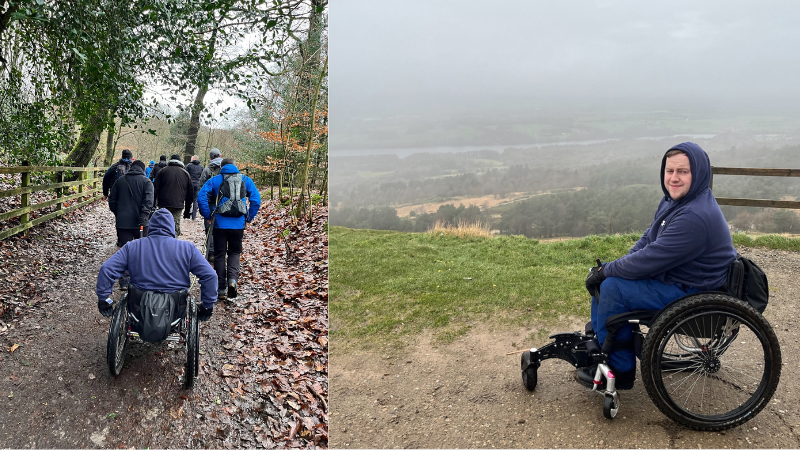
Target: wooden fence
[(757, 173), (88, 184)]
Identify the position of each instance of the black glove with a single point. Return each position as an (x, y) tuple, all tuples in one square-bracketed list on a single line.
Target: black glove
[(204, 314), (105, 308), (594, 279)]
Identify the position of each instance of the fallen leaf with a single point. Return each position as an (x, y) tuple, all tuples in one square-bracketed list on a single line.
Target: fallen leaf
[(13, 347)]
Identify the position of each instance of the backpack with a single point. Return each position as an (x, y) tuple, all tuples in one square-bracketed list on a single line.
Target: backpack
[(122, 169), (233, 195), (154, 312), (748, 282)]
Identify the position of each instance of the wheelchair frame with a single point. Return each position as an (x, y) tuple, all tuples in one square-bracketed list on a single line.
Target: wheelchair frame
[(185, 330), (693, 350)]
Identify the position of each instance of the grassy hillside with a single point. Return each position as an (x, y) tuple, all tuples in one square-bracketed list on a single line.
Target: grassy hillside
[(385, 285)]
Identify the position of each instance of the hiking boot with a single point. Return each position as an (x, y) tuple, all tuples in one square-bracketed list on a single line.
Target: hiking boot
[(624, 380), (232, 289), (222, 294)]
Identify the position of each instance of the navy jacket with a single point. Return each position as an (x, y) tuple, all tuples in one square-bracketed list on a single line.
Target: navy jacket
[(689, 241), (159, 262)]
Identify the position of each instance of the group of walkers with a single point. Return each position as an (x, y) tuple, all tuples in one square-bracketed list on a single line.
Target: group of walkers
[(150, 257)]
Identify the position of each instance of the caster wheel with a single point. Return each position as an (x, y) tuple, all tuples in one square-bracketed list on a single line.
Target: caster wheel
[(529, 371), (611, 406)]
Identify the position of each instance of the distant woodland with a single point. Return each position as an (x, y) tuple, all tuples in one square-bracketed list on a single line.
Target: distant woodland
[(610, 187)]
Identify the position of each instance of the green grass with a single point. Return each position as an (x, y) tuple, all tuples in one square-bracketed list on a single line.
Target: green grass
[(773, 241), (386, 285)]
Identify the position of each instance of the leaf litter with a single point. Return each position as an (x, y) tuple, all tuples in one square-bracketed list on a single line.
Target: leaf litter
[(263, 378)]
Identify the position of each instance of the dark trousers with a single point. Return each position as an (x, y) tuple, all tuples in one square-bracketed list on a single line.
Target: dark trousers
[(227, 242), (194, 202), (123, 237)]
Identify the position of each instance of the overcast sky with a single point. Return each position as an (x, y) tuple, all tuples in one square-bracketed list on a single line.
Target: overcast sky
[(417, 57)]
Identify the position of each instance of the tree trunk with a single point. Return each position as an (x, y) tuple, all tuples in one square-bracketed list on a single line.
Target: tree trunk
[(86, 146), (110, 143), (306, 187), (194, 124), (5, 18)]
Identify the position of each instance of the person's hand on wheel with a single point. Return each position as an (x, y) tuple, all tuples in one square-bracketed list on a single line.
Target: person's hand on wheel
[(204, 314), (105, 307)]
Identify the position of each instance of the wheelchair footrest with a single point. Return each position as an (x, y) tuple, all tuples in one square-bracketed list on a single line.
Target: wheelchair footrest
[(570, 347)]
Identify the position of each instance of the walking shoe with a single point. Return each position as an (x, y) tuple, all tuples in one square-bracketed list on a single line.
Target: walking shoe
[(232, 289), (624, 380), (222, 294)]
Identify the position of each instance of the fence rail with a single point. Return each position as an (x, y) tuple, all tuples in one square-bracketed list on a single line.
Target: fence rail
[(87, 185), (758, 173)]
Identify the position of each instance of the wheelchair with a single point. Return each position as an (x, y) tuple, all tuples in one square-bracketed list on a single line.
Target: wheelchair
[(708, 361), (126, 327)]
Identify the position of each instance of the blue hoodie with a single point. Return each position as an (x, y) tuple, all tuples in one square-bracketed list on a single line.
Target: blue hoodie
[(689, 241), (159, 262), (207, 197)]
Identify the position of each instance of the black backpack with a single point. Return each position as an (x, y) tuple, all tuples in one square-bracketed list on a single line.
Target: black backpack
[(233, 195), (748, 282), (122, 169)]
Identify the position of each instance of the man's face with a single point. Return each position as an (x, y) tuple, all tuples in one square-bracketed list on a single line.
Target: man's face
[(677, 176)]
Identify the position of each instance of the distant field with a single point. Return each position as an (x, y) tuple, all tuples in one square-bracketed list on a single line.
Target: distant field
[(484, 202)]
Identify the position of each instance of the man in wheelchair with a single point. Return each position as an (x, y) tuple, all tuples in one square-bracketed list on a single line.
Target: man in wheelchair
[(159, 263), (686, 249)]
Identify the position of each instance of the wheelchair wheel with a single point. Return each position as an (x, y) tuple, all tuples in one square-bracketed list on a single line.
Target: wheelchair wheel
[(611, 405), (711, 362), (192, 344), (118, 337), (529, 373)]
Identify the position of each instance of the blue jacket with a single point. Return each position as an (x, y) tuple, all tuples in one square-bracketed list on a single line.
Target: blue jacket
[(159, 262), (207, 198), (689, 241)]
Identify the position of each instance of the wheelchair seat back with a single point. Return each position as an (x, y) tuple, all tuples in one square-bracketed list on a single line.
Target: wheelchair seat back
[(154, 312)]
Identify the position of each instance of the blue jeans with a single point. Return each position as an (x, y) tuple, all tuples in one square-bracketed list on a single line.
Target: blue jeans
[(618, 295)]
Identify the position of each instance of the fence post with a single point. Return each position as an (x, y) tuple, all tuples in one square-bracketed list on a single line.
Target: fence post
[(60, 191), (26, 198), (81, 178)]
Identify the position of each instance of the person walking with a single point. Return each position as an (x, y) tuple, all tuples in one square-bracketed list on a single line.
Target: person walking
[(214, 164), (173, 190), (223, 203), (116, 170), (195, 170), (149, 169), (162, 162), (131, 199)]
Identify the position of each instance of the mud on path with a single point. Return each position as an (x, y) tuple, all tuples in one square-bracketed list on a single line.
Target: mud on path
[(469, 394), (55, 387)]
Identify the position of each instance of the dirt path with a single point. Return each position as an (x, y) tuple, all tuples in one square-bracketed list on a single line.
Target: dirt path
[(55, 386), (469, 394)]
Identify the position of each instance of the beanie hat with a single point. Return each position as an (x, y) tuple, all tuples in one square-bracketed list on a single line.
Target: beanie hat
[(162, 158), (175, 156), (214, 153), (138, 164), (126, 154)]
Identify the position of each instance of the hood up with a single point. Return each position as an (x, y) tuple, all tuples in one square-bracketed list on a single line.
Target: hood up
[(700, 166), (229, 168), (216, 162), (162, 224), (135, 170)]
